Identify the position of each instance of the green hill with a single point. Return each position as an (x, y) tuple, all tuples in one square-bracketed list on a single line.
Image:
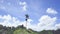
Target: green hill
[(22, 30)]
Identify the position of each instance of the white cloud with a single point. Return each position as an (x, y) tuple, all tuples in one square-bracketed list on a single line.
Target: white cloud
[(24, 5), (57, 26), (51, 11), (45, 22), (8, 20)]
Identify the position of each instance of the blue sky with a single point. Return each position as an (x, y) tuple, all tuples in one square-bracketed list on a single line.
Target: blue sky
[(37, 10)]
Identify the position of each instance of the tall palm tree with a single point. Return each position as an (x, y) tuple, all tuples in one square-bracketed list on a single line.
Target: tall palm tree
[(27, 17)]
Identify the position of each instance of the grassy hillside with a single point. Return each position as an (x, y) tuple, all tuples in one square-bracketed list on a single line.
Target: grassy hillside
[(23, 30)]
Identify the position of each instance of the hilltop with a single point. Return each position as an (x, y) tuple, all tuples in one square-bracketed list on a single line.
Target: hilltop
[(22, 30)]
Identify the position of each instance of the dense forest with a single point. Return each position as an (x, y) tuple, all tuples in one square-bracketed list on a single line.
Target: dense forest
[(22, 30)]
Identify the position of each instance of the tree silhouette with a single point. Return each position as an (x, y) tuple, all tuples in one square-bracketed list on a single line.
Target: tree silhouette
[(27, 17)]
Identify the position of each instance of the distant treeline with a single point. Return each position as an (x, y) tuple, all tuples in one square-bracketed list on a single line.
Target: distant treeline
[(22, 30)]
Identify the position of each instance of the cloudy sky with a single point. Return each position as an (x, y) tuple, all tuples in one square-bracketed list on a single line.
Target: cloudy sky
[(43, 14)]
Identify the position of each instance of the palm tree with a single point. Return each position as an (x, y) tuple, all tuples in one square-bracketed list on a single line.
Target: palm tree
[(27, 17)]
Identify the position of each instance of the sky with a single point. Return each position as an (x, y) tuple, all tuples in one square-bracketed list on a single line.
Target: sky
[(43, 14)]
